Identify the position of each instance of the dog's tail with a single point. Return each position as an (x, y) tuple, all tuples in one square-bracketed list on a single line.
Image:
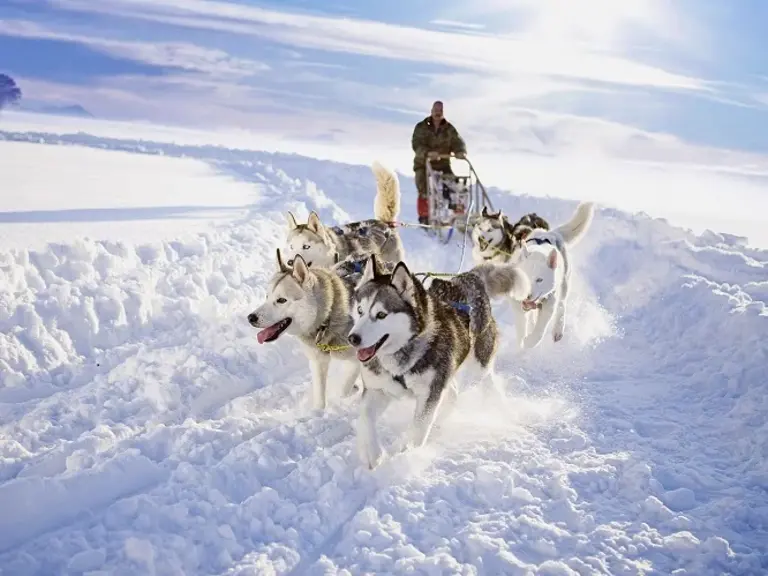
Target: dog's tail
[(573, 230), (504, 280), (386, 205)]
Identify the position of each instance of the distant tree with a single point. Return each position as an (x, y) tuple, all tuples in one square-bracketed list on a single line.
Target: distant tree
[(9, 92)]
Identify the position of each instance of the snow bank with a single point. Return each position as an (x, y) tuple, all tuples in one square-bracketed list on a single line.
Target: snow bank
[(143, 429)]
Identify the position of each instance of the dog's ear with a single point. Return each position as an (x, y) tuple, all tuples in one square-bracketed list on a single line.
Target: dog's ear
[(485, 211), (292, 224), (403, 281), (336, 258), (552, 259), (281, 267), (370, 271), (313, 222), (300, 269)]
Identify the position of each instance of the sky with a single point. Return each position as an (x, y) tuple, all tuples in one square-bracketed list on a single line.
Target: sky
[(647, 80)]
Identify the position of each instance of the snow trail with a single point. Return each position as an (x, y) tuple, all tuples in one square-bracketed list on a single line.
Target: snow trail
[(144, 430)]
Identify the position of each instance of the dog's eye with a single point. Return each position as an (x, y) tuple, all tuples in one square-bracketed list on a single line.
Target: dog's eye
[(306, 247), (281, 300), (360, 310), (381, 315), (539, 280)]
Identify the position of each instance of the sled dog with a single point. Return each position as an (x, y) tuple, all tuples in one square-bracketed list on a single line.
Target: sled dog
[(495, 239), (411, 341), (546, 262), (312, 304), (323, 246)]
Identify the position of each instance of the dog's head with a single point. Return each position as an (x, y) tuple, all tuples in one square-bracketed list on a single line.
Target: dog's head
[(489, 231), (309, 240), (384, 310), (540, 264), (288, 308)]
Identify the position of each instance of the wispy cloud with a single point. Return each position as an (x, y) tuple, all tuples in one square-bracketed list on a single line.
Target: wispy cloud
[(539, 76), (487, 53), (180, 55)]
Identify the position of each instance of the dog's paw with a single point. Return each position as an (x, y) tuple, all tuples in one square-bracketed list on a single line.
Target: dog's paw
[(372, 461), (351, 391), (557, 336), (529, 342), (319, 406)]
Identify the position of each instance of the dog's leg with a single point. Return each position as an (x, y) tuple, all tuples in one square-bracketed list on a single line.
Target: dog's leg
[(351, 372), (318, 365), (450, 397), (373, 404), (542, 322), (559, 325), (521, 324), (428, 407)]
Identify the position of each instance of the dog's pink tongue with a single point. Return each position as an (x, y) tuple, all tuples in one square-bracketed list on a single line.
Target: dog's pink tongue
[(267, 333), (365, 354)]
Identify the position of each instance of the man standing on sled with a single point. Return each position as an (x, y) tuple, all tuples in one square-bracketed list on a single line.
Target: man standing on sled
[(432, 137)]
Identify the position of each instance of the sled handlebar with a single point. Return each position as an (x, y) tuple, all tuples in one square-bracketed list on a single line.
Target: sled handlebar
[(444, 156), (471, 169)]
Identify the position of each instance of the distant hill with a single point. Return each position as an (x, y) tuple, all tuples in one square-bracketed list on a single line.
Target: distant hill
[(56, 109)]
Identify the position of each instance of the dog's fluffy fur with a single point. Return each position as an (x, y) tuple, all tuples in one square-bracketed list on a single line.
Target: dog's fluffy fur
[(323, 246), (312, 304), (546, 261), (495, 239), (412, 340)]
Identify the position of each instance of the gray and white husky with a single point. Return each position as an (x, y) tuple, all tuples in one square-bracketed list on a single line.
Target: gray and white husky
[(496, 239), (312, 304), (546, 262), (323, 246), (412, 340)]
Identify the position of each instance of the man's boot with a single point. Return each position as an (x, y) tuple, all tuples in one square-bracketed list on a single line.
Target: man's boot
[(422, 207)]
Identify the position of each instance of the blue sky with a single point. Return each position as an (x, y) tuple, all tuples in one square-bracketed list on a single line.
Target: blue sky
[(542, 75)]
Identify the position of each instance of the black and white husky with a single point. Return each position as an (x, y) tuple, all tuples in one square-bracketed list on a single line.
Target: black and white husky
[(412, 340), (496, 239), (322, 246)]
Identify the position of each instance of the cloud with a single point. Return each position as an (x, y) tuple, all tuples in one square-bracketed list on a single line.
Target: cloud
[(488, 53), (179, 55), (508, 93)]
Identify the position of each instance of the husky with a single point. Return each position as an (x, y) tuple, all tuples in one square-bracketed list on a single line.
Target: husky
[(411, 341), (312, 304), (324, 246), (495, 239), (546, 262)]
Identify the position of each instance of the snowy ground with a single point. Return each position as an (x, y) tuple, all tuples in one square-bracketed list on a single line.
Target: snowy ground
[(144, 431), (79, 194)]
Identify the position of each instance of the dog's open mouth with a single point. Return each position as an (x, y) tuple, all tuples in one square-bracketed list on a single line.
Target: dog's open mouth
[(273, 332), (529, 305), (365, 354)]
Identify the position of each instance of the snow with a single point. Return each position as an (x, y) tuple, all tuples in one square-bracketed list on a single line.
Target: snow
[(145, 431), (153, 198)]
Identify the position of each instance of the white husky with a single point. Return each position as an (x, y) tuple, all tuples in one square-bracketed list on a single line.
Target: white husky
[(546, 262)]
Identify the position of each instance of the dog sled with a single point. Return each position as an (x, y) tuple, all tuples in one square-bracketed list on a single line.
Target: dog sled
[(456, 201)]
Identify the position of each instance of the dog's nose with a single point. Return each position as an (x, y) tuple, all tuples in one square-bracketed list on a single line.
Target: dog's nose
[(354, 339), (253, 318)]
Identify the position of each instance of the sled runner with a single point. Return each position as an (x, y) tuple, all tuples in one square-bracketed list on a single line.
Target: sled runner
[(456, 201)]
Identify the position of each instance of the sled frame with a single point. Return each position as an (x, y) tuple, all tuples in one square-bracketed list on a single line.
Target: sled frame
[(456, 201)]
